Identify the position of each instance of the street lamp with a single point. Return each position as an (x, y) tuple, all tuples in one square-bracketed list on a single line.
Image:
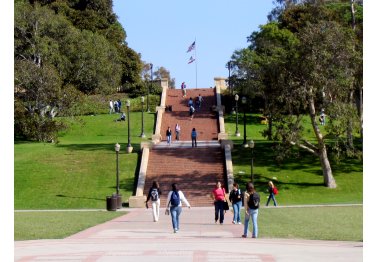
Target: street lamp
[(237, 118), (118, 196), (129, 146), (151, 83), (142, 117), (229, 66), (251, 145), (244, 101)]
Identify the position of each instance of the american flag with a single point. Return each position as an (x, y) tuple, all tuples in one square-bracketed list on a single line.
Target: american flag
[(191, 60), (191, 47)]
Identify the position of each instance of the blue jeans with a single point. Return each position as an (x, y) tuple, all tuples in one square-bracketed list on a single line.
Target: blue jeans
[(251, 213), (236, 207), (175, 213), (168, 139), (219, 209), (271, 196)]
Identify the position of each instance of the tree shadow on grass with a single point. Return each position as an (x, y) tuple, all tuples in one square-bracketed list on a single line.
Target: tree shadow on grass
[(90, 198), (100, 147)]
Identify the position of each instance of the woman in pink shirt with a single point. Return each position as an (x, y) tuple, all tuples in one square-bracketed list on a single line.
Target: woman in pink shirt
[(219, 194)]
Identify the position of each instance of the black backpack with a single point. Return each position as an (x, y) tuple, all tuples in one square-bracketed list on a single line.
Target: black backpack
[(175, 198), (254, 201), (154, 195)]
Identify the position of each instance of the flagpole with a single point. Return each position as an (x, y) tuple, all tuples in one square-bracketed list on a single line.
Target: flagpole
[(196, 60)]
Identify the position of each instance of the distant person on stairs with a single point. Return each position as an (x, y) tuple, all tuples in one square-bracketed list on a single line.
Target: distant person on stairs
[(177, 131), (154, 195), (168, 135), (184, 89), (174, 205), (194, 137), (219, 196), (201, 100), (191, 111), (190, 102)]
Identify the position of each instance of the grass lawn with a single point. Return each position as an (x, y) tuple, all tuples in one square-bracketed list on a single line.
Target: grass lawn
[(80, 171), (55, 225), (299, 179), (320, 223)]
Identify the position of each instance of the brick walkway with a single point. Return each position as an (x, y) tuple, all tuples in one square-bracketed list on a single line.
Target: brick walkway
[(134, 237)]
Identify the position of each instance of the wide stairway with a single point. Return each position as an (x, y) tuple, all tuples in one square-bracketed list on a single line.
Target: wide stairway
[(195, 170)]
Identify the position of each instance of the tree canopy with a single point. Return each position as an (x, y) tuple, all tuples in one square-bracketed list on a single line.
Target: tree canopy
[(307, 61), (67, 48)]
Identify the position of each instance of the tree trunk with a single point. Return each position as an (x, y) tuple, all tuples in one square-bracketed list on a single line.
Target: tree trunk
[(329, 180)]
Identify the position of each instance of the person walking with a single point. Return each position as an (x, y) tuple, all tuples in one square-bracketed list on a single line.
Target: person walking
[(111, 107), (154, 195), (168, 135), (177, 131), (272, 189), (191, 111), (174, 205), (184, 89), (251, 205), (194, 137), (219, 197), (200, 99), (236, 200)]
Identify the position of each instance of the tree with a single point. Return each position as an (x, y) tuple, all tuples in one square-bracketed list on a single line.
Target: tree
[(301, 64)]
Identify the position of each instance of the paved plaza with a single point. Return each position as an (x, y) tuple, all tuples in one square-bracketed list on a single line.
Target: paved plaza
[(134, 237)]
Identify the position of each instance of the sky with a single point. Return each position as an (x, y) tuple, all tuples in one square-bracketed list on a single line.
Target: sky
[(161, 31)]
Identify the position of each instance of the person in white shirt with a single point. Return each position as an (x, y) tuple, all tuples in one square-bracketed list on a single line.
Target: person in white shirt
[(177, 131)]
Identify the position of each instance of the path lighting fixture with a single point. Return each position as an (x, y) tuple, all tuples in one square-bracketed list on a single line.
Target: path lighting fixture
[(142, 117), (251, 145), (118, 196), (151, 83), (244, 102), (237, 117), (129, 146), (117, 149)]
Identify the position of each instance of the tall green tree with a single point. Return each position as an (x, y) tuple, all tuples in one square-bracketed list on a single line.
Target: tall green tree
[(303, 63)]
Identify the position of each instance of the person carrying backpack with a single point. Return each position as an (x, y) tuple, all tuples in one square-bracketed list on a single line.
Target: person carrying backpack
[(272, 189), (154, 195), (251, 205), (174, 205)]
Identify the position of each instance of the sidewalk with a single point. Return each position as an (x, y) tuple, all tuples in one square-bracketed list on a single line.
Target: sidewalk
[(134, 237)]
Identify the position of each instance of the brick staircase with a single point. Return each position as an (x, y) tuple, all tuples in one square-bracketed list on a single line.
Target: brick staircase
[(194, 169)]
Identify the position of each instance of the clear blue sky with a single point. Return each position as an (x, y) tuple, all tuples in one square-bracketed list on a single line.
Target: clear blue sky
[(161, 31)]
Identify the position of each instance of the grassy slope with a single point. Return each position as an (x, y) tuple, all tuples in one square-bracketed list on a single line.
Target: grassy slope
[(80, 171)]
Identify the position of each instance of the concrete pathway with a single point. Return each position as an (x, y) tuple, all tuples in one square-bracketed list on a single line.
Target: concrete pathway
[(134, 237)]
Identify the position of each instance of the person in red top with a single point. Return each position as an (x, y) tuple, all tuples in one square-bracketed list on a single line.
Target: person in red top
[(219, 195)]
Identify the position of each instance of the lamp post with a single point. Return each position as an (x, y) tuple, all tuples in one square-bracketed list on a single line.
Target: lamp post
[(118, 196), (229, 66), (237, 118), (129, 146), (251, 145), (244, 101), (142, 117), (151, 82)]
